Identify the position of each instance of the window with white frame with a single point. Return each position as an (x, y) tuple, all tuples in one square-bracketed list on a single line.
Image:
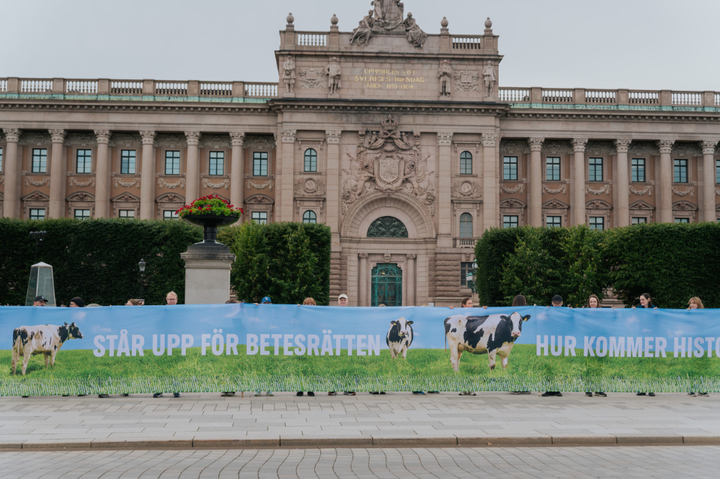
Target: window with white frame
[(638, 170), (552, 168), (127, 162), (639, 220), (82, 214), (466, 167), (260, 163), (510, 168), (39, 160), (83, 160), (128, 214), (310, 161), (682, 220), (259, 217), (172, 162), (309, 217), (466, 225), (510, 221), (170, 215), (217, 163), (595, 171), (597, 223), (681, 171), (37, 213), (553, 221)]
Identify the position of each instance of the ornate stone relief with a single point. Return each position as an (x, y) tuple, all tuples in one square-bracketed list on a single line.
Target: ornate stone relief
[(126, 198), (579, 145), (170, 141), (685, 206), (259, 143), (665, 146), (598, 191), (29, 180), (688, 150), (81, 196), (312, 78), (72, 181), (386, 16), (288, 136), (641, 205), (389, 161), (518, 189), (217, 142), (555, 204), (558, 148), (601, 148), (237, 138), (648, 190), (708, 147), (557, 191), (467, 80), (598, 205), (80, 139), (468, 190), (12, 134), (513, 147), (216, 186), (512, 203), (103, 136), (622, 145), (193, 138), (643, 149), (163, 183), (269, 184), (58, 136), (126, 140), (309, 187), (170, 198), (333, 70), (127, 184), (445, 75), (34, 138), (35, 196), (289, 74), (688, 191)]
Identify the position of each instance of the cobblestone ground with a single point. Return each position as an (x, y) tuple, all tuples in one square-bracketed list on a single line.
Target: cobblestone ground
[(568, 462)]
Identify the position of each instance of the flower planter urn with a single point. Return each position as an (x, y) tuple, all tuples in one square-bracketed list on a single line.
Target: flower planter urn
[(210, 224)]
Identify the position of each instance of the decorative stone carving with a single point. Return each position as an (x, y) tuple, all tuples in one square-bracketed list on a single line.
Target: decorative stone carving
[(445, 75), (489, 80), (81, 196), (34, 138), (103, 136), (170, 141), (467, 80), (57, 136), (489, 139), (72, 181), (364, 31), (536, 144), (717, 191), (127, 184), (466, 190), (598, 191), (309, 187), (333, 136), (579, 144), (512, 203), (641, 205), (685, 206), (557, 191), (288, 136), (163, 183), (12, 135), (622, 145), (237, 138), (555, 204), (558, 148), (689, 191), (648, 190), (126, 198), (80, 139), (216, 186), (511, 191), (29, 180), (171, 198), (125, 140), (259, 143), (388, 15), (36, 196), (643, 149), (688, 150), (311, 78), (444, 139), (269, 184), (600, 148), (708, 147), (665, 146), (289, 74), (333, 71), (216, 142), (148, 137), (192, 138), (598, 205), (414, 33), (389, 161)]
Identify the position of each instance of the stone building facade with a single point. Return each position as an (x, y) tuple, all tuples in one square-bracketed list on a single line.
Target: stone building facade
[(403, 143)]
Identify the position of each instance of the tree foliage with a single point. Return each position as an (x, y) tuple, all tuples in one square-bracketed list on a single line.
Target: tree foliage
[(531, 271)]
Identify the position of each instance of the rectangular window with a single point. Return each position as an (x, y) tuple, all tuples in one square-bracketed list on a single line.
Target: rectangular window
[(465, 268), (681, 171), (466, 161), (510, 221), (1, 158), (83, 161), (217, 163), (552, 169), (82, 214), (682, 220), (597, 223), (260, 217), (39, 161), (172, 162), (553, 221), (260, 163), (717, 172), (170, 215), (596, 169), (638, 170), (127, 213), (639, 220), (127, 162), (37, 213), (510, 168)]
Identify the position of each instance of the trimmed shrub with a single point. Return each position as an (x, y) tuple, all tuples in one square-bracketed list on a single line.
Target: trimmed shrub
[(97, 259), (286, 261)]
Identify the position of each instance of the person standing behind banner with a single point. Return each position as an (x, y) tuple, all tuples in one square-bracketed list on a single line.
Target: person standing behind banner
[(308, 302), (557, 302), (171, 299), (467, 303), (343, 301), (646, 302), (265, 300), (594, 302), (696, 303)]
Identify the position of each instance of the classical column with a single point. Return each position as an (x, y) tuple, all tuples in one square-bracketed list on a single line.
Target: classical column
[(57, 175), (364, 280), (491, 193), (237, 175), (147, 188), (708, 199), (410, 276), (286, 174), (332, 202), (444, 201), (102, 175), (664, 191), (192, 175), (536, 178), (11, 208), (622, 183), (579, 192)]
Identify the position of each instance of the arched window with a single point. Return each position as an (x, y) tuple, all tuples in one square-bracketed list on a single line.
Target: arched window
[(387, 227), (466, 163), (466, 226), (309, 217), (310, 160)]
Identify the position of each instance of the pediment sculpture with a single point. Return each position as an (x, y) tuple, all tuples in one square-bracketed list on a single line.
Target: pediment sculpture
[(387, 16)]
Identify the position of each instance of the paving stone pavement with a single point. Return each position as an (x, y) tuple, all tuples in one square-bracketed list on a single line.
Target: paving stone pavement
[(571, 462), (392, 420)]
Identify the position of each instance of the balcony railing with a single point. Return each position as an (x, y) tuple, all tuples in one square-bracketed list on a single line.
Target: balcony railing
[(467, 42), (465, 242)]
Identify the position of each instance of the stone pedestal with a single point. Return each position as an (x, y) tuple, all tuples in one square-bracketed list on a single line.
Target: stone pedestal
[(207, 273)]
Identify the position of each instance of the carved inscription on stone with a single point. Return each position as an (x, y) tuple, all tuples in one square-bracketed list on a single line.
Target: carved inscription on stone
[(467, 80)]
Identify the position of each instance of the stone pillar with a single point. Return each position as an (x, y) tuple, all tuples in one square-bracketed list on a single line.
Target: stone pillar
[(207, 273), (491, 193), (708, 198), (579, 192), (664, 191), (102, 175), (237, 175), (192, 174), (332, 202), (536, 181), (286, 174), (444, 201), (57, 175), (622, 183), (147, 188), (410, 276), (11, 207), (364, 281)]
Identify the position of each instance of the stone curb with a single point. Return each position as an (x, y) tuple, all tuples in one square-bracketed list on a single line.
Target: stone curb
[(302, 442)]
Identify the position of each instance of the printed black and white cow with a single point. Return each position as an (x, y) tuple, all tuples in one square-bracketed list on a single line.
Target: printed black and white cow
[(399, 337), (492, 335), (44, 339)]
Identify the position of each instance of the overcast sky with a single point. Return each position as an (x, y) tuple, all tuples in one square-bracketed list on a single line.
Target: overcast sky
[(640, 44)]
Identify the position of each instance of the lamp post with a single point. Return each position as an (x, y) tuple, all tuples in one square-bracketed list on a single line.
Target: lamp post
[(470, 277), (38, 236), (141, 267)]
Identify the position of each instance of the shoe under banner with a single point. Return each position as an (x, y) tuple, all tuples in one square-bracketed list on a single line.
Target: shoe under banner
[(243, 347)]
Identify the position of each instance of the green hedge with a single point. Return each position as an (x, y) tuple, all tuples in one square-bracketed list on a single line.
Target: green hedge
[(97, 259), (286, 261)]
